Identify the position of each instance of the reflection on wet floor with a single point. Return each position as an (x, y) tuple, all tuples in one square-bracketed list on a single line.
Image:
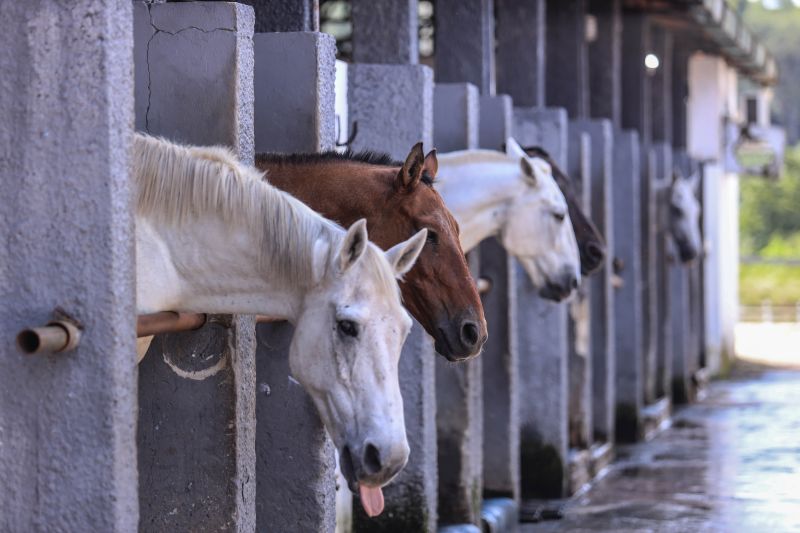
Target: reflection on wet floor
[(730, 463)]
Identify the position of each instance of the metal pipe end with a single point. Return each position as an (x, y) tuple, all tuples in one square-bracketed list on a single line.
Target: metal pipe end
[(57, 336)]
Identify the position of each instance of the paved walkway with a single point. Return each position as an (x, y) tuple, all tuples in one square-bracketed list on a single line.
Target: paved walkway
[(730, 463)]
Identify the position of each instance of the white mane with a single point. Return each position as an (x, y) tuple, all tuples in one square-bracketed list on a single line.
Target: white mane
[(177, 184)]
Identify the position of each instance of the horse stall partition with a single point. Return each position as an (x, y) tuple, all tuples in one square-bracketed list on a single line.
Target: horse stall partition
[(196, 432), (542, 341), (294, 112), (68, 420)]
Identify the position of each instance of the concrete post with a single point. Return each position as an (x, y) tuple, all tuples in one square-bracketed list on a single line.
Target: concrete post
[(465, 43), (285, 16), (663, 371), (496, 120), (662, 87), (567, 57), (601, 283), (211, 421), (68, 421), (459, 394), (541, 338), (679, 301), (680, 94), (605, 62), (393, 105), (385, 31), (294, 112), (520, 51), (455, 116), (627, 299)]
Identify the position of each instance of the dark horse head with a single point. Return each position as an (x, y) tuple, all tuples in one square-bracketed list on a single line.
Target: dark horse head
[(591, 244)]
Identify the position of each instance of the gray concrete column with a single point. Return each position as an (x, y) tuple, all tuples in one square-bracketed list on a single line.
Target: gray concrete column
[(459, 393), (455, 116), (647, 210), (496, 121), (520, 52), (680, 93), (627, 299), (285, 16), (294, 112), (680, 316), (605, 62), (393, 105), (541, 338), (661, 93), (67, 421), (211, 422), (601, 284), (663, 371), (567, 57), (465, 43), (385, 31)]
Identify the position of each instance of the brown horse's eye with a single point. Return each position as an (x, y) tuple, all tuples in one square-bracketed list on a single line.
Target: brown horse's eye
[(433, 237), (347, 328)]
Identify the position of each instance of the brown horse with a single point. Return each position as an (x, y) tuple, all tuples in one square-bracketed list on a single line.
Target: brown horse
[(397, 199), (591, 244)]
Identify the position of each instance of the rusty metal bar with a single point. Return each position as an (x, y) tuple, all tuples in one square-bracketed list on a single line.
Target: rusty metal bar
[(168, 322)]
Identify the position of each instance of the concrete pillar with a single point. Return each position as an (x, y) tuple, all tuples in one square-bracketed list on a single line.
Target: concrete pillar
[(68, 421), (636, 111), (210, 421), (294, 112), (664, 339), (459, 394), (679, 301), (541, 338), (285, 16), (455, 116), (601, 284), (567, 57), (605, 62), (520, 51), (393, 105), (385, 31), (496, 121), (294, 91), (680, 94), (627, 299), (662, 87), (465, 43)]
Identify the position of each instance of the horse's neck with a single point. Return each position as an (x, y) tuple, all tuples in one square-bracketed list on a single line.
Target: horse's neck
[(478, 191), (207, 267)]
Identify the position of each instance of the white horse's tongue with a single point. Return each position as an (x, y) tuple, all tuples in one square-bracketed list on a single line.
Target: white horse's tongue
[(371, 500)]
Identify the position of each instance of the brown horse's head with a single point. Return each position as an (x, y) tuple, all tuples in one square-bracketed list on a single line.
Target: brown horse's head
[(397, 200), (591, 244)]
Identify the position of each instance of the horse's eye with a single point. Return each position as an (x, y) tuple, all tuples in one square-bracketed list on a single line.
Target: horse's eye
[(433, 237), (560, 216), (348, 328)]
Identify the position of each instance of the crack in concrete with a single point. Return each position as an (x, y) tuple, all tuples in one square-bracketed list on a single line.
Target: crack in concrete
[(156, 31)]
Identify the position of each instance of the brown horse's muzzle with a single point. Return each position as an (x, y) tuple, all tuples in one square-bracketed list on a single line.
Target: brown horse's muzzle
[(460, 338)]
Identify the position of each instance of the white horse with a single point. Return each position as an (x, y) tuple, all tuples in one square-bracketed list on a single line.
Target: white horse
[(515, 197), (213, 236), (684, 216)]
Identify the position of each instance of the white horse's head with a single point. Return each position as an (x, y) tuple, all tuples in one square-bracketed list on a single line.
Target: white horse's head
[(684, 216), (346, 351), (538, 231)]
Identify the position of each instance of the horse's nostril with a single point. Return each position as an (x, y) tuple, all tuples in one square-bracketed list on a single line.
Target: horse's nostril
[(372, 459), (594, 252), (469, 333), (574, 283)]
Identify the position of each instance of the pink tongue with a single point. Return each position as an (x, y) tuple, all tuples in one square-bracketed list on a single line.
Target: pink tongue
[(371, 500)]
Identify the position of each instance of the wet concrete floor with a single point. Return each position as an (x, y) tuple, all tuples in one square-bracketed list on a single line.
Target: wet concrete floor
[(730, 463)]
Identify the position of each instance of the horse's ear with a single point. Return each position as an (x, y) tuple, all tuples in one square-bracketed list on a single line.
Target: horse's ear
[(413, 168), (431, 165), (527, 171), (513, 148), (403, 256), (354, 244)]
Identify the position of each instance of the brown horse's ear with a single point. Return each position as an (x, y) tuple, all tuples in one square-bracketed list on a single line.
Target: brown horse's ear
[(431, 165), (413, 168)]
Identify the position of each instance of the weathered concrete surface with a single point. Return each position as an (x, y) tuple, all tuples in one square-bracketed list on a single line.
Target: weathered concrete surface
[(729, 463), (663, 365), (567, 57), (496, 121), (605, 59), (197, 437), (465, 43), (294, 91), (385, 31), (67, 421), (627, 298), (393, 105), (455, 116), (411, 497), (520, 51)]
